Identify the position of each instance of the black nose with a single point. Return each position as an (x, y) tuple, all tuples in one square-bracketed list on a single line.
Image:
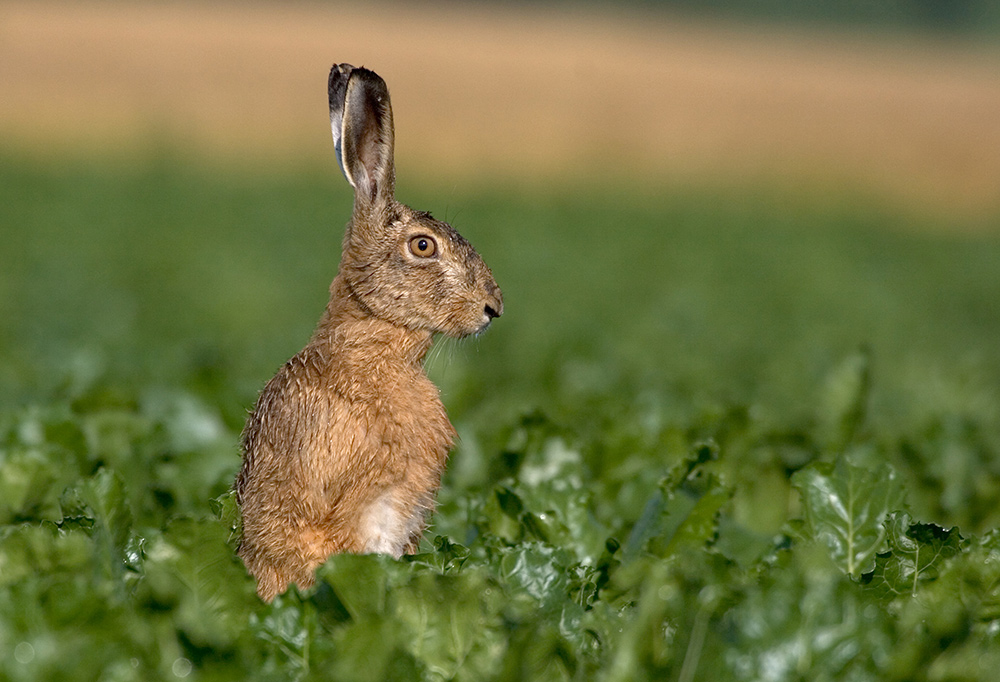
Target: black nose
[(490, 312)]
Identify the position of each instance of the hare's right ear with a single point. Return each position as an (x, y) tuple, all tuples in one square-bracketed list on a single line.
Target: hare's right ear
[(361, 120)]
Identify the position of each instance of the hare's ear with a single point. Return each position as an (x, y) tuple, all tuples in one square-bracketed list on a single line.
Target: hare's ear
[(361, 120), (339, 75)]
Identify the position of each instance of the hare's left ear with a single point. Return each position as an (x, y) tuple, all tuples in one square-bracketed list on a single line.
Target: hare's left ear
[(361, 120)]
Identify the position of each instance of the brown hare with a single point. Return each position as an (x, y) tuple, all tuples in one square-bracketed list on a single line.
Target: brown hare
[(345, 448)]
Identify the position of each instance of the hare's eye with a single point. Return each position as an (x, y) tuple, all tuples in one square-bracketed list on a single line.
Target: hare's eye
[(423, 246)]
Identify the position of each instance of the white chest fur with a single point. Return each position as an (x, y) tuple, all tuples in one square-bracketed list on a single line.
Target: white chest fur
[(387, 527)]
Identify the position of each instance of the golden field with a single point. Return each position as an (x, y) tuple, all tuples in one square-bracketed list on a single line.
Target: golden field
[(530, 96)]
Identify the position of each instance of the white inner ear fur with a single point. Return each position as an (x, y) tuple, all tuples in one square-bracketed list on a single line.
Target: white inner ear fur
[(337, 126)]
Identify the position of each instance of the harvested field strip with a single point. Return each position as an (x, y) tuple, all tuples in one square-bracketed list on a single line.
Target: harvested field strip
[(528, 95)]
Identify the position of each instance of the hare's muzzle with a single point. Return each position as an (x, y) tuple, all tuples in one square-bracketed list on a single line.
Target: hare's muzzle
[(492, 309)]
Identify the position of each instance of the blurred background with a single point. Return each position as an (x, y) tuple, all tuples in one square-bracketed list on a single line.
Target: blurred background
[(690, 207), (895, 98)]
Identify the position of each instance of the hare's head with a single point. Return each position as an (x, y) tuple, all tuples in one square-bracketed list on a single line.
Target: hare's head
[(401, 265)]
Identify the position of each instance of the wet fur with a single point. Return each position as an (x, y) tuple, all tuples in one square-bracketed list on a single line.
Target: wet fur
[(345, 448)]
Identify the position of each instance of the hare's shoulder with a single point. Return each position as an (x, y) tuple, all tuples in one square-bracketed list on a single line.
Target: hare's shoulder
[(319, 412), (290, 405), (291, 426)]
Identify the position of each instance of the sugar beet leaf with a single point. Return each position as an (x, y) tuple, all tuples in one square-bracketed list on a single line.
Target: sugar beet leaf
[(845, 506), (916, 553)]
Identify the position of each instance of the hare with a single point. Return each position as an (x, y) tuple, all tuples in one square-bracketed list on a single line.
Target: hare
[(346, 445)]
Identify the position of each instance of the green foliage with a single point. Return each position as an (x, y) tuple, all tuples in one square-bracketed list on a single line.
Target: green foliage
[(539, 581), (916, 553), (671, 465), (846, 507)]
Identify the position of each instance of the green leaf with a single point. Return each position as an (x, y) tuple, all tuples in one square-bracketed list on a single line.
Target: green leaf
[(665, 627), (287, 628), (642, 641), (27, 480), (916, 554), (948, 631), (844, 401), (228, 512), (537, 572), (445, 557), (190, 570), (956, 468), (685, 509), (845, 507), (548, 502), (362, 583), (453, 623), (42, 451), (690, 517), (103, 500), (803, 619), (558, 505), (45, 550), (985, 552), (372, 650), (401, 616), (55, 608)]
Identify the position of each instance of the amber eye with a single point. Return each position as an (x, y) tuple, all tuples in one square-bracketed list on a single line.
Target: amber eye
[(423, 246)]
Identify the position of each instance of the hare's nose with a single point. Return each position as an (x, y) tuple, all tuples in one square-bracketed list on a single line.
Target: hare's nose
[(494, 302)]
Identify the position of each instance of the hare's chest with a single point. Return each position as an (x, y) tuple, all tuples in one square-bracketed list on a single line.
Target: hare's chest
[(416, 428), (415, 443)]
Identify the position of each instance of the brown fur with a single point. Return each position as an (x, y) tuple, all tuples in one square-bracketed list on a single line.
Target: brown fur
[(345, 448)]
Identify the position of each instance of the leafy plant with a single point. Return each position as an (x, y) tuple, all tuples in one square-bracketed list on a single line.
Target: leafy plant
[(538, 580), (671, 463)]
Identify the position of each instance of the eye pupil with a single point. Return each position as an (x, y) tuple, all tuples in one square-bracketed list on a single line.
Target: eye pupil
[(421, 245)]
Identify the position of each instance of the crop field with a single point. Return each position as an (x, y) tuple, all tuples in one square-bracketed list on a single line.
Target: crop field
[(734, 426)]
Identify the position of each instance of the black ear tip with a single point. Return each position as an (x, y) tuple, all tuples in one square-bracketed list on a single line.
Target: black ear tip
[(337, 84), (341, 70)]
